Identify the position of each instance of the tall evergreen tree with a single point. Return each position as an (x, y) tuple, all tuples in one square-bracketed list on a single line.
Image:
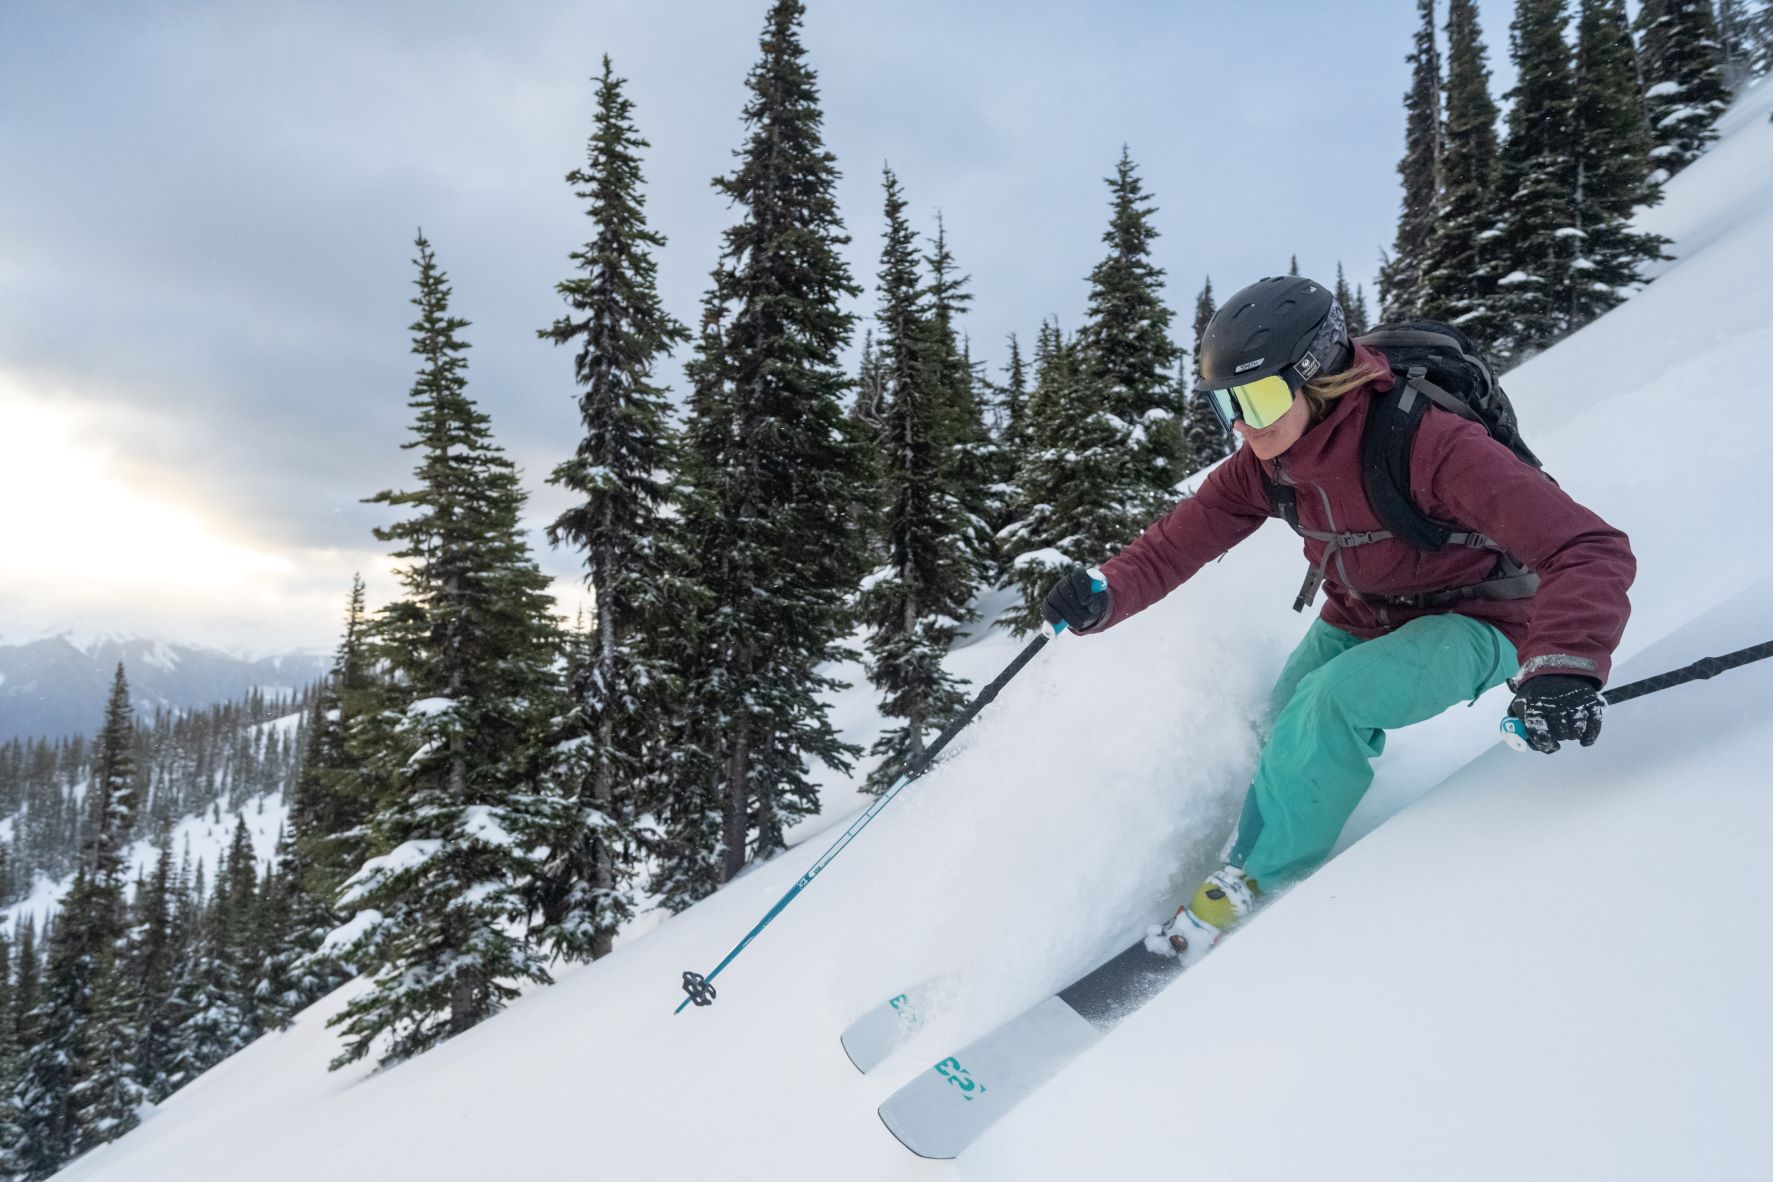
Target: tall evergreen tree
[(770, 487), (1684, 86), (1343, 293), (1016, 428), (472, 646), (1760, 40), (1459, 279), (1400, 280), (916, 600), (870, 384), (969, 464), (153, 962), (1735, 22), (622, 696), (338, 790), (1536, 185), (78, 1086), (1612, 143), (1013, 434), (1208, 439), (1353, 301), (11, 1131), (1360, 320), (215, 986), (1127, 349), (1077, 502)]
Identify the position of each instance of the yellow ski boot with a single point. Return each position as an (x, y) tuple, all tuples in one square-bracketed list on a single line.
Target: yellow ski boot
[(1225, 897)]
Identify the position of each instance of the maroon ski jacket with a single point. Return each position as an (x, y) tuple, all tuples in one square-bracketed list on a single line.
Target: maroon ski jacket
[(1458, 475)]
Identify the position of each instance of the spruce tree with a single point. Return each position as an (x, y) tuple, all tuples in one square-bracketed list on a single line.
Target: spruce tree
[(1536, 186), (1360, 321), (1735, 24), (1077, 503), (1017, 430), (1684, 86), (870, 384), (1460, 277), (154, 953), (770, 499), (471, 646), (78, 1087), (622, 696), (1400, 280), (969, 458), (335, 794), (1127, 350), (56, 1057), (11, 1131), (1342, 292), (1759, 38), (1612, 144), (1208, 440), (215, 978), (916, 600), (337, 791)]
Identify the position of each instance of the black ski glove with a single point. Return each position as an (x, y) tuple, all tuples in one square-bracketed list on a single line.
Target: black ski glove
[(1558, 706), (1079, 600)]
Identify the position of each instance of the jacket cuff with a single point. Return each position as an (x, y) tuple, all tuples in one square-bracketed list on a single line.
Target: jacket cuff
[(1557, 663)]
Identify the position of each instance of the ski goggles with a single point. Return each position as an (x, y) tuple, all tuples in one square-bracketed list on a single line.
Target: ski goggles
[(1259, 403)]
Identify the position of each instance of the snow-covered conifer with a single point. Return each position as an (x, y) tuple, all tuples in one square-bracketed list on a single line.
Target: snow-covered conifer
[(1612, 145), (1207, 438), (771, 514), (1129, 356), (471, 647), (1684, 86), (915, 601), (1536, 187), (621, 696), (1400, 280), (1459, 278)]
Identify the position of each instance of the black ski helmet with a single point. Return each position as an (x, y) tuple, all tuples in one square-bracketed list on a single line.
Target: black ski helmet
[(1283, 325)]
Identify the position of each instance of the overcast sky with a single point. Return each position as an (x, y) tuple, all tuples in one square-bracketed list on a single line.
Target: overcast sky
[(207, 213)]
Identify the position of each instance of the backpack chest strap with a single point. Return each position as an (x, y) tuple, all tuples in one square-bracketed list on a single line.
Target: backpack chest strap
[(1314, 578)]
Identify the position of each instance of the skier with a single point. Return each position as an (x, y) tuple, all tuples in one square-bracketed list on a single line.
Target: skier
[(1533, 588)]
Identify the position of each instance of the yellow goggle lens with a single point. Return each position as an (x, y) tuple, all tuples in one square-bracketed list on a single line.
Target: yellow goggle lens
[(1258, 403)]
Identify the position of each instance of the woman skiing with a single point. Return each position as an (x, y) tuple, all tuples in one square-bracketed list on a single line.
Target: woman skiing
[(1527, 584)]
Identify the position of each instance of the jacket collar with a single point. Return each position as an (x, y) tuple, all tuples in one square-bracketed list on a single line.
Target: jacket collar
[(1323, 445)]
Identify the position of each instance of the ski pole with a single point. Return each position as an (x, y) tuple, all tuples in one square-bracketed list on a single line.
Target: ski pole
[(1514, 731), (701, 989)]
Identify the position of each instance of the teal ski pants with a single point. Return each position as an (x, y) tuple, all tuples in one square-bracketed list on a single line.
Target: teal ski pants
[(1336, 697)]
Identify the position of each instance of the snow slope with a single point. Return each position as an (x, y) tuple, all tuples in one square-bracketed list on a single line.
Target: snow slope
[(203, 837), (1542, 968)]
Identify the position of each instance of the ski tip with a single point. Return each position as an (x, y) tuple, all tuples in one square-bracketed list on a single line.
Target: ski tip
[(900, 1136), (850, 1054)]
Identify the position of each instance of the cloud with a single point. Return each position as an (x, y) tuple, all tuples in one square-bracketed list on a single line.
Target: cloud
[(208, 238)]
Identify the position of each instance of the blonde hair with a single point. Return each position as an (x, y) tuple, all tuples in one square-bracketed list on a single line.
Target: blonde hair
[(1324, 389)]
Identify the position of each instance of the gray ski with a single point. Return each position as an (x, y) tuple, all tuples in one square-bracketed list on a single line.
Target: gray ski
[(946, 1108), (888, 1026)]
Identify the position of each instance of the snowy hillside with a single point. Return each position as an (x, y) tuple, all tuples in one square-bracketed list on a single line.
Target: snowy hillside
[(1543, 968), (202, 838)]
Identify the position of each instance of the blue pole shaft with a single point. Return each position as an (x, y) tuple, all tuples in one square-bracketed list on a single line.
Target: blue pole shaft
[(917, 769)]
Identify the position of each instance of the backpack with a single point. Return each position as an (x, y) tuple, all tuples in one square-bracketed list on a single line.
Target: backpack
[(1436, 364)]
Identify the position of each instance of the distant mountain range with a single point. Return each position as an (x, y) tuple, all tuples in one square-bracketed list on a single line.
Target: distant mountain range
[(57, 686)]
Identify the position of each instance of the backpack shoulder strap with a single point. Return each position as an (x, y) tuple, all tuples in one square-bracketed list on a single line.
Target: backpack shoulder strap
[(1385, 464), (1282, 500)]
